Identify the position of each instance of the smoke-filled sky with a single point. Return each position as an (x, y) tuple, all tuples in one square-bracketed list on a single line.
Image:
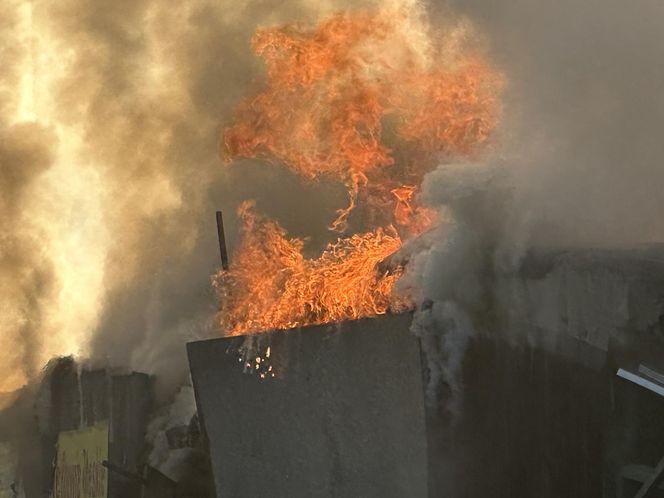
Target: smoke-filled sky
[(110, 173), (585, 107)]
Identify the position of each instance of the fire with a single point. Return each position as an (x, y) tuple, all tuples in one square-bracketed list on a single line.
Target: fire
[(369, 99), (331, 90), (272, 285), (414, 218)]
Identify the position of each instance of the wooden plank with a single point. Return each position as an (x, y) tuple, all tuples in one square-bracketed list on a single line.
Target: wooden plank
[(641, 381), (649, 372)]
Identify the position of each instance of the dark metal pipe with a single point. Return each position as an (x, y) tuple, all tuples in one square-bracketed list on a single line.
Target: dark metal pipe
[(222, 241)]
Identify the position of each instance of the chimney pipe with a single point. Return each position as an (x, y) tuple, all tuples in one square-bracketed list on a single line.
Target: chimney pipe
[(222, 241)]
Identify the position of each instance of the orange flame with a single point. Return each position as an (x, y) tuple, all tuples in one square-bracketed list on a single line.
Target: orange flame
[(329, 91), (272, 285), (335, 96), (415, 219)]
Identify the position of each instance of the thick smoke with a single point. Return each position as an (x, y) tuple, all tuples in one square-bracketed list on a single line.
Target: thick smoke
[(111, 114), (450, 267), (109, 178), (27, 275), (578, 165), (111, 174)]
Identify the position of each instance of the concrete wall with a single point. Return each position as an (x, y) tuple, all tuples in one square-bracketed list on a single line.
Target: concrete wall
[(342, 417)]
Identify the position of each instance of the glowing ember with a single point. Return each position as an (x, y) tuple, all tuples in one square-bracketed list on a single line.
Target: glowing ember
[(349, 100)]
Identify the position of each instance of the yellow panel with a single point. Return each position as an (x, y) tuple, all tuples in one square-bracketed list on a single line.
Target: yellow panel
[(78, 471)]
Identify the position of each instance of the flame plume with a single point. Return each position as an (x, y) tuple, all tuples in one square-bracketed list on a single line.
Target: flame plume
[(287, 290), (342, 101), (330, 89)]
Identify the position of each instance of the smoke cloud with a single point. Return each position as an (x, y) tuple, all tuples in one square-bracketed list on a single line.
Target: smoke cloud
[(450, 268), (583, 107), (111, 175), (578, 162), (111, 115), (27, 275)]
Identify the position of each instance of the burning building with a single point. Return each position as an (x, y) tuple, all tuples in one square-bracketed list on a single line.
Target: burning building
[(328, 107), (444, 276)]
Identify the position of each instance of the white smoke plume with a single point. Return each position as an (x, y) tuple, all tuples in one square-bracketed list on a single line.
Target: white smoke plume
[(449, 267), (110, 174), (579, 160)]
